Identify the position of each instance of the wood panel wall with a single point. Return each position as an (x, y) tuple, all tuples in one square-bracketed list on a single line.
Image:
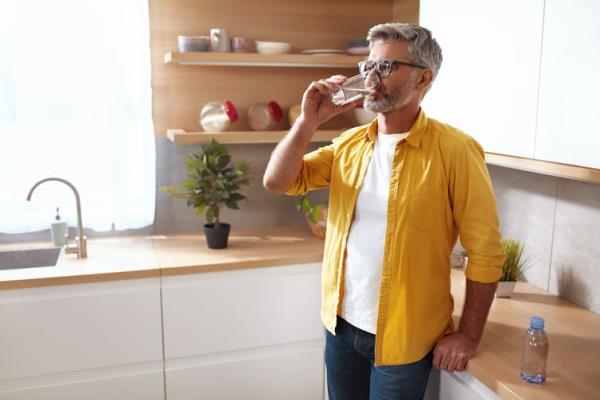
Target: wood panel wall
[(179, 92), (406, 11)]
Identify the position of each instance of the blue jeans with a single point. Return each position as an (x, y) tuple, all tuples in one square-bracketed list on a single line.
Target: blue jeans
[(349, 358)]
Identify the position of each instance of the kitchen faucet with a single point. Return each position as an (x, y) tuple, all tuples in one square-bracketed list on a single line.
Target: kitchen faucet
[(80, 246)]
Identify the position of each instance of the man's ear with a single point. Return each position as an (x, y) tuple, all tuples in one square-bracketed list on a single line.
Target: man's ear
[(425, 80)]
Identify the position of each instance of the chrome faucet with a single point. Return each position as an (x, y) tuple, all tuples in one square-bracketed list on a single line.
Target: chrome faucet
[(80, 246)]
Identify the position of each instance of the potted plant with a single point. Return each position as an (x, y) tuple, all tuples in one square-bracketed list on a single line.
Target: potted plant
[(316, 216), (212, 182), (515, 264)]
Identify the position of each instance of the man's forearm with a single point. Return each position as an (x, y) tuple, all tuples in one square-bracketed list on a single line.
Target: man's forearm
[(478, 301), (286, 160)]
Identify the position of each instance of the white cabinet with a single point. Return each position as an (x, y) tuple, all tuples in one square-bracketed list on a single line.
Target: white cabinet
[(95, 340), (444, 385), (520, 76), (488, 82), (251, 334), (569, 121)]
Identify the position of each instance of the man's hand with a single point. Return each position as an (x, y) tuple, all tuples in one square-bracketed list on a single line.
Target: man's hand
[(452, 351), (317, 106)]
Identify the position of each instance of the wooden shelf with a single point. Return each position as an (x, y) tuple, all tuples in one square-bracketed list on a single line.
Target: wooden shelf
[(241, 137), (263, 60), (560, 170)]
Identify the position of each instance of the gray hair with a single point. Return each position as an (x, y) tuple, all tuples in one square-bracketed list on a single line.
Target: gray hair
[(423, 48)]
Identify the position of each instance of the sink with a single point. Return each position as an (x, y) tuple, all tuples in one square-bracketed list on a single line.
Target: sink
[(29, 258)]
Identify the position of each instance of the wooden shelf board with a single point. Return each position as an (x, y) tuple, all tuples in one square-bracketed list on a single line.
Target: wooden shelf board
[(240, 137), (262, 60), (560, 170)]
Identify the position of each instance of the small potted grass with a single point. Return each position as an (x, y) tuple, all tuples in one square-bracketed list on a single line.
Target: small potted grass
[(515, 264)]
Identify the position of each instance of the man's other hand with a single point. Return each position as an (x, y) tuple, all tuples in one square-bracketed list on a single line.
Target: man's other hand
[(453, 351)]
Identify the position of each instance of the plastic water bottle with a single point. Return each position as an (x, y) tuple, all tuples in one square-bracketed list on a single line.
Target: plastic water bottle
[(535, 352)]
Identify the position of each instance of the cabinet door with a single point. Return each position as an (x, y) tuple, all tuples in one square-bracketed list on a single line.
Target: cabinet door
[(49, 331), (462, 386), (251, 334), (569, 121), (143, 386), (488, 82), (444, 385)]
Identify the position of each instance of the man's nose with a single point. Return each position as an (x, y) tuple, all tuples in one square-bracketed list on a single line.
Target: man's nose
[(373, 78)]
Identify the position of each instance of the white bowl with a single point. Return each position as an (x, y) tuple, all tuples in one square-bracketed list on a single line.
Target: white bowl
[(193, 43), (273, 47)]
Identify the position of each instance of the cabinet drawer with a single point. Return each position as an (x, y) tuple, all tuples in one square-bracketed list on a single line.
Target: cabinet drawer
[(77, 327), (272, 375), (225, 311), (146, 386)]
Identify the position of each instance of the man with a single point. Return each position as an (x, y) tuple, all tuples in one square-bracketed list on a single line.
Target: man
[(401, 191)]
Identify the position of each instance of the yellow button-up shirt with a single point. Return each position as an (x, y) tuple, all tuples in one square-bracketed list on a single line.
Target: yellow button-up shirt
[(439, 188)]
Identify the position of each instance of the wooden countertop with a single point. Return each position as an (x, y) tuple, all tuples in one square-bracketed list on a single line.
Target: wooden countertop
[(146, 256), (574, 333)]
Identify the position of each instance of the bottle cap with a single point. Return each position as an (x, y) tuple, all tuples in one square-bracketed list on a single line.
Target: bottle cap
[(230, 110), (275, 111), (537, 322)]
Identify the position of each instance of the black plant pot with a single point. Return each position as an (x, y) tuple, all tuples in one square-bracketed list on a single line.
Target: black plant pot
[(217, 238)]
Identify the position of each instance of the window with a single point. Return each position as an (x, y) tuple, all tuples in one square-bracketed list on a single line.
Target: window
[(75, 102)]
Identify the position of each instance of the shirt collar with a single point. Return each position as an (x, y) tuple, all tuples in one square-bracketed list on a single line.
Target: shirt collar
[(415, 133)]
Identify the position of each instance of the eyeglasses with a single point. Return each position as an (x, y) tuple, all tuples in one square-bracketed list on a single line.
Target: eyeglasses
[(383, 67)]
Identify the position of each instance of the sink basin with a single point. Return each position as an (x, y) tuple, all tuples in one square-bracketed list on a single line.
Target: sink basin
[(29, 258)]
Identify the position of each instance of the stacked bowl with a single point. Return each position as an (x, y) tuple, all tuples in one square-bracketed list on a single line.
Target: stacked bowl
[(358, 47)]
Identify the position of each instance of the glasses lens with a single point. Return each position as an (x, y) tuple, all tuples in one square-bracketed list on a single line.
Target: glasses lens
[(365, 67), (384, 68)]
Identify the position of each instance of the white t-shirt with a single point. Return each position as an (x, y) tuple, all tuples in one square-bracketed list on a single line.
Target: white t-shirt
[(366, 238)]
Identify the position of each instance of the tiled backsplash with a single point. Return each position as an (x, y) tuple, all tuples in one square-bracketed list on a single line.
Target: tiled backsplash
[(261, 208), (559, 221)]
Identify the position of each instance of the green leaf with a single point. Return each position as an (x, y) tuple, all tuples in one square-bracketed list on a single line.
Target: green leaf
[(168, 189), (223, 161), (189, 184), (304, 205), (314, 213), (191, 163), (174, 191), (237, 196), (199, 210), (232, 204)]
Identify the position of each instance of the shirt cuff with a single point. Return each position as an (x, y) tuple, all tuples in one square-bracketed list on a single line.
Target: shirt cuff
[(483, 273)]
